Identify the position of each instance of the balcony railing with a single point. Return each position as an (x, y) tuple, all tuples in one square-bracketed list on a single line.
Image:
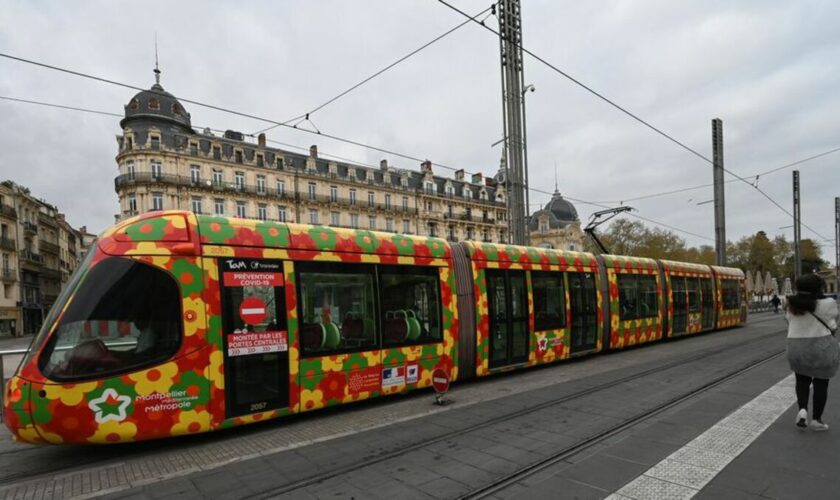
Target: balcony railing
[(8, 211), (7, 244), (8, 275), (51, 274), (47, 220), (30, 227), (214, 185), (30, 256), (47, 247)]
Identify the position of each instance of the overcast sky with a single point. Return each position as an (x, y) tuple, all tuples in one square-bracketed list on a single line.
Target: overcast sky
[(768, 69)]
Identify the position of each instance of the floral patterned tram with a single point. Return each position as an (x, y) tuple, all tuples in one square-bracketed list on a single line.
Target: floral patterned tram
[(179, 324)]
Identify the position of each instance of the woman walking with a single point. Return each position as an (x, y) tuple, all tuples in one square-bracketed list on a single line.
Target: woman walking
[(812, 349)]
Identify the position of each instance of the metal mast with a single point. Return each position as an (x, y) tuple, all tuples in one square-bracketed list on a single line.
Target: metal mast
[(797, 235), (720, 204), (837, 247), (510, 50)]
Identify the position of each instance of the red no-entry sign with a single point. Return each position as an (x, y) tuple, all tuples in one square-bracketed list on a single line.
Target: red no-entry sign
[(440, 380), (252, 310)]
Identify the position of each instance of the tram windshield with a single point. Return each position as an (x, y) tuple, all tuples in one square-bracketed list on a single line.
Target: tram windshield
[(125, 315)]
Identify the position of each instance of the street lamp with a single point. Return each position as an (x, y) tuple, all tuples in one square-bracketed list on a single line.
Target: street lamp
[(525, 155)]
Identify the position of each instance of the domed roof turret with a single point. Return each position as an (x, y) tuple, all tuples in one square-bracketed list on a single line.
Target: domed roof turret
[(560, 213), (156, 104), (561, 209)]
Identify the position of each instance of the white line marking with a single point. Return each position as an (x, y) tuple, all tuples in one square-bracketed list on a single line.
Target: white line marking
[(686, 471)]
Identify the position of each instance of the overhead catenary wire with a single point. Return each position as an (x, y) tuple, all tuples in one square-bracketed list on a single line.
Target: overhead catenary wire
[(330, 136), (701, 186), (221, 109), (72, 108), (535, 190), (374, 75), (629, 113)]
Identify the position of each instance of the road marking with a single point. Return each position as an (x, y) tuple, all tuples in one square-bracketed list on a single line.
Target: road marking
[(685, 472)]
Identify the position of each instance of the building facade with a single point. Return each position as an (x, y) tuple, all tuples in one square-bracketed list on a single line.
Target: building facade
[(164, 164), (556, 226), (39, 251)]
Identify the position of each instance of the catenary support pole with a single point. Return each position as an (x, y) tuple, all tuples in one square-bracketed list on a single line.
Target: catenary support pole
[(720, 205), (837, 247), (797, 235), (510, 51)]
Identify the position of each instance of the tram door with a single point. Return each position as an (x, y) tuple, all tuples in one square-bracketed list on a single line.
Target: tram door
[(256, 338), (584, 311), (708, 303), (507, 296), (678, 288)]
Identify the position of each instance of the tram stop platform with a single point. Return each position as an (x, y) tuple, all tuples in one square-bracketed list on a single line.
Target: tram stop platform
[(736, 440)]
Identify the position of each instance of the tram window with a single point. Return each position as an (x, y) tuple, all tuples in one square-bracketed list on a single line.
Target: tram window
[(731, 296), (410, 305), (549, 301), (693, 294), (637, 297), (336, 308), (125, 315), (649, 298)]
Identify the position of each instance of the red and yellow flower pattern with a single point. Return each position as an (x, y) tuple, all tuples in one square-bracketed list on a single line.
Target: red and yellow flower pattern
[(186, 393)]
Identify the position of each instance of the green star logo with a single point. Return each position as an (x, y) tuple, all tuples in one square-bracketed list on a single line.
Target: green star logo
[(110, 406)]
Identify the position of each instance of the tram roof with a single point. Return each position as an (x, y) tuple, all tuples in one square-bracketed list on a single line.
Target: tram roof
[(155, 233), (673, 266), (528, 257), (730, 272), (627, 263), (258, 233)]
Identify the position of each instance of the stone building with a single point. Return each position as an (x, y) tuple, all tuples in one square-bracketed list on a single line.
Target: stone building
[(164, 163), (556, 226), (40, 251)]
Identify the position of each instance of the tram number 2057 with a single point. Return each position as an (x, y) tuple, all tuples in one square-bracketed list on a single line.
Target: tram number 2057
[(259, 406)]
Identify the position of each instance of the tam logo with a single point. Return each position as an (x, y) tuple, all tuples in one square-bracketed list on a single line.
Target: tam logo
[(110, 406)]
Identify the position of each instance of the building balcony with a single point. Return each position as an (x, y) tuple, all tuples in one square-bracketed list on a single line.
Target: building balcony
[(8, 275), (8, 211), (30, 227), (50, 248), (476, 218), (8, 244), (31, 257), (47, 220), (50, 274)]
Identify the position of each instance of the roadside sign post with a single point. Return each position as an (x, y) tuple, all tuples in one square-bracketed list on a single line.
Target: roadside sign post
[(440, 382)]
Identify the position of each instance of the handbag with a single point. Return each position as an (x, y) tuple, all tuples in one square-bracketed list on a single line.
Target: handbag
[(823, 323)]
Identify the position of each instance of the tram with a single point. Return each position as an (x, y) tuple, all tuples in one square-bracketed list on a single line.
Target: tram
[(177, 323)]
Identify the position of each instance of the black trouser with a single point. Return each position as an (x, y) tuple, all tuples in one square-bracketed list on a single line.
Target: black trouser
[(803, 387)]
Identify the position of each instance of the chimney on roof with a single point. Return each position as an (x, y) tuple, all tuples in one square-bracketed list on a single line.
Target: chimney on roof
[(478, 178), (383, 164), (426, 167), (83, 229), (459, 175), (313, 151), (261, 140)]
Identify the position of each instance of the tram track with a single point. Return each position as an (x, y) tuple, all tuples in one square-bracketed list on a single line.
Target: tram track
[(53, 464), (566, 452), (527, 471)]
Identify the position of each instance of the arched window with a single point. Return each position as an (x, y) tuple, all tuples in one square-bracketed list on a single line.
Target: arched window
[(154, 104), (134, 104), (177, 109)]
